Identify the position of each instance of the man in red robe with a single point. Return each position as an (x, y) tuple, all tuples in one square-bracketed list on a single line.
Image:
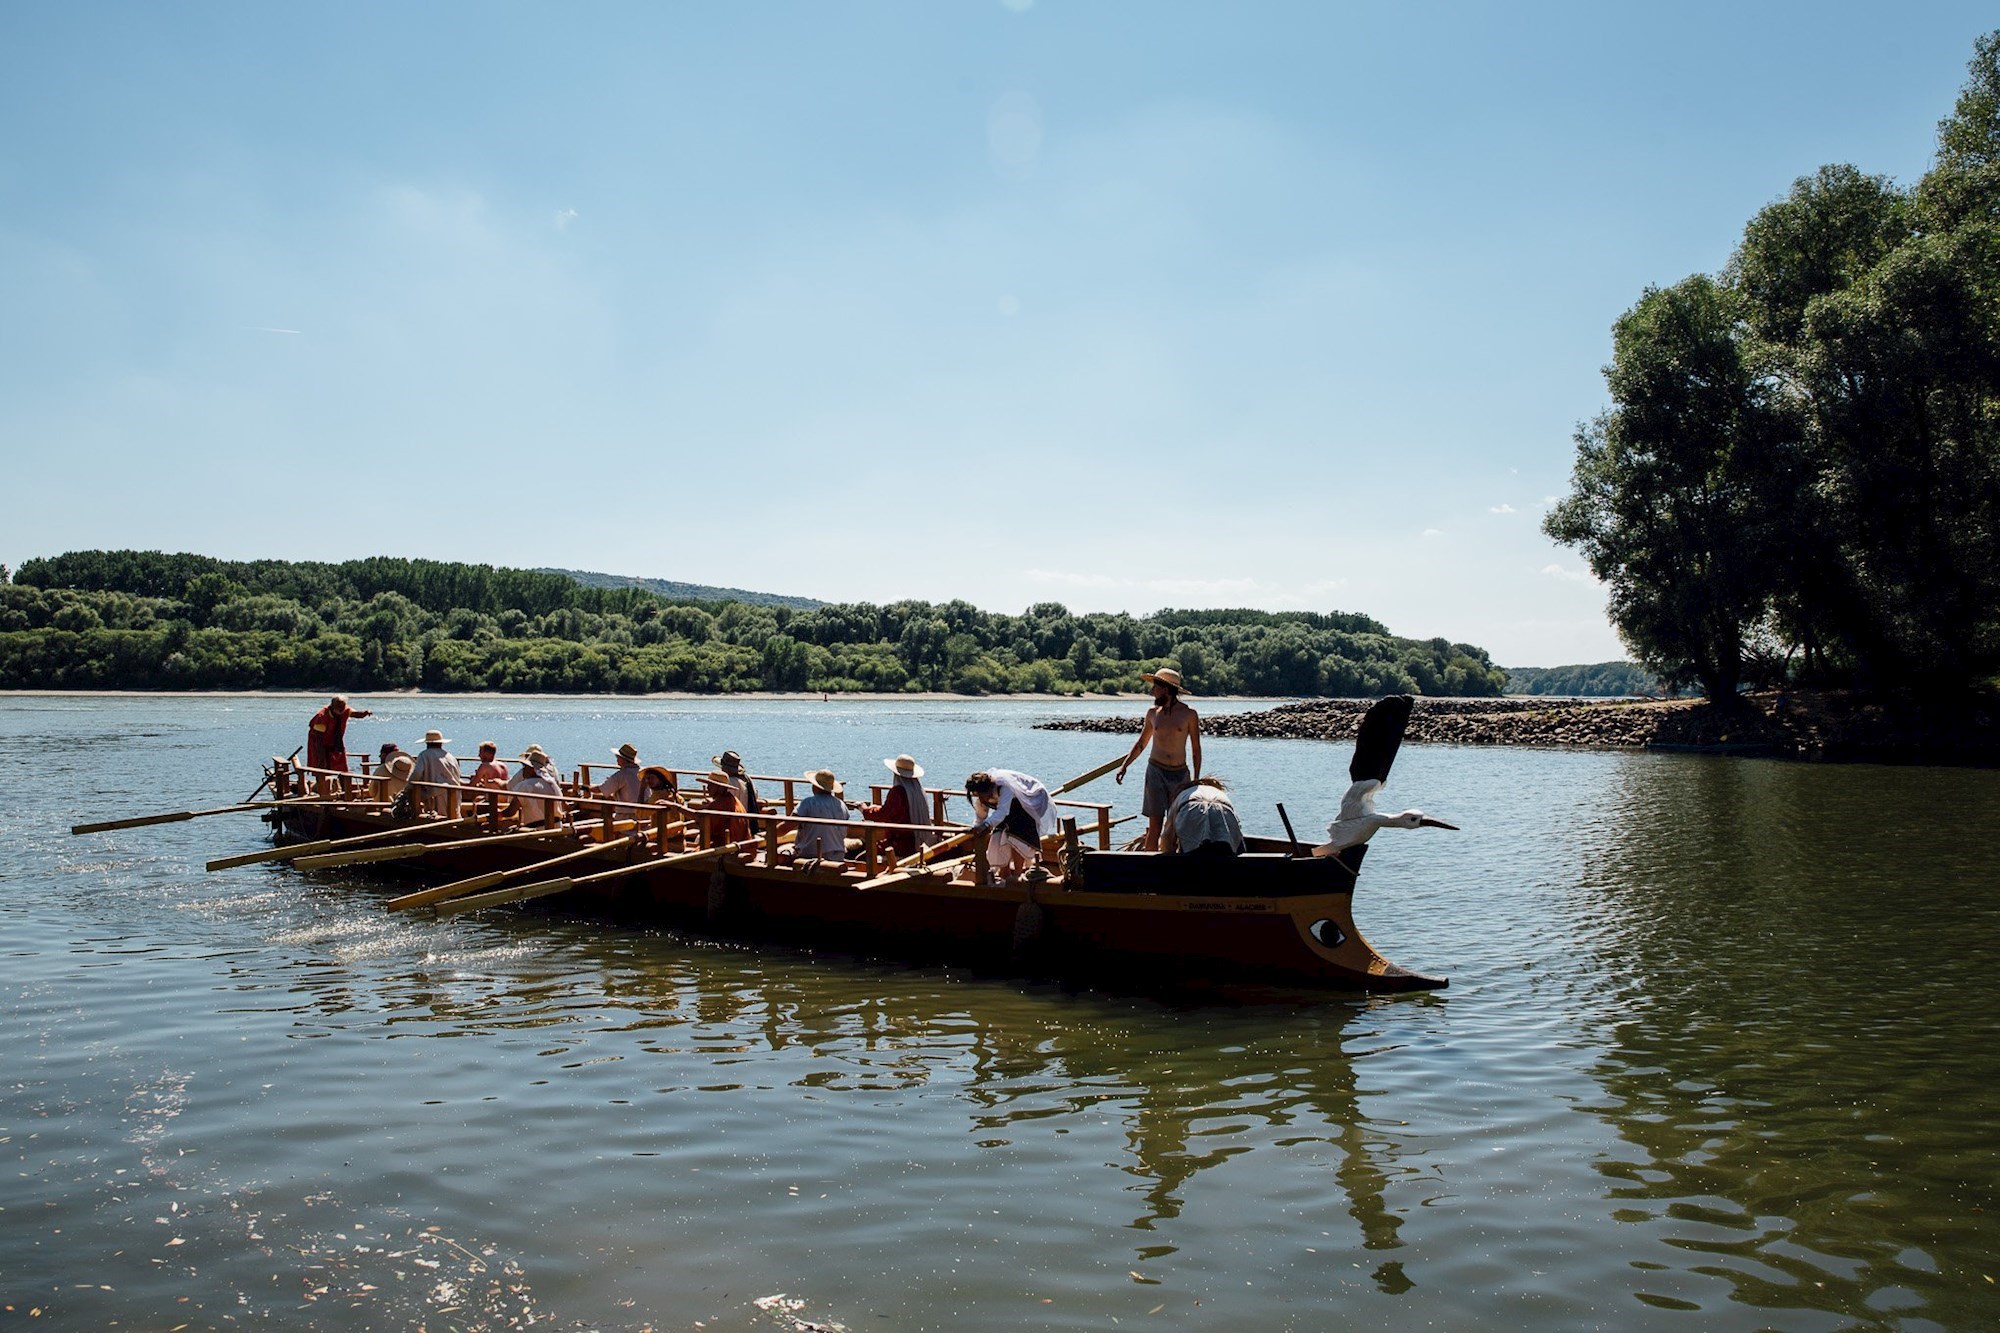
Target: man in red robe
[(326, 735)]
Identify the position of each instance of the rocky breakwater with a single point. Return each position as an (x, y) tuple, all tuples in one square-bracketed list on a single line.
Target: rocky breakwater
[(1822, 725)]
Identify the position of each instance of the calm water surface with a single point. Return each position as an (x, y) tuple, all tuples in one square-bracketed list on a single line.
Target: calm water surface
[(1721, 1050)]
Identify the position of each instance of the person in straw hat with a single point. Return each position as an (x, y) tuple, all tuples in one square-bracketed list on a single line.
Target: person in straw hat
[(904, 804), (537, 785), (822, 842), (393, 767), (719, 796), (1175, 733), (625, 782), (731, 764), (439, 766)]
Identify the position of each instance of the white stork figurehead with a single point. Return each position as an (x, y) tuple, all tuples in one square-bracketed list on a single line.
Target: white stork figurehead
[(1359, 819)]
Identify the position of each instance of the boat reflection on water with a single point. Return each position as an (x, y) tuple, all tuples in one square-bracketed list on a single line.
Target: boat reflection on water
[(1186, 1082)]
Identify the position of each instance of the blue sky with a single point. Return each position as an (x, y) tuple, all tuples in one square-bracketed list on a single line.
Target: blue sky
[(1120, 305)]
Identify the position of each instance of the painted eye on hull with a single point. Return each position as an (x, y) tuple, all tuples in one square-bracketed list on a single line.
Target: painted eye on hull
[(1327, 932)]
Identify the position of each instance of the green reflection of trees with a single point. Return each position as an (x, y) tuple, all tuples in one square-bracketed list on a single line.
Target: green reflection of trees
[(1800, 1037)]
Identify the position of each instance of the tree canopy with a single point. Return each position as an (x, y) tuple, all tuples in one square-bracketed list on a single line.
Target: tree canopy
[(1799, 478), (148, 620)]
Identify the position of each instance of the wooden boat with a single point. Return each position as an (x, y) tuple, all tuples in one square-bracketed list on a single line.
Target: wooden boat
[(1270, 914)]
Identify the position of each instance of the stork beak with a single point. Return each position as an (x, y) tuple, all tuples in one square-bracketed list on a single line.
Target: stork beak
[(1428, 822)]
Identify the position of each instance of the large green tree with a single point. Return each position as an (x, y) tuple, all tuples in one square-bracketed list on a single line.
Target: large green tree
[(1802, 460), (1666, 492)]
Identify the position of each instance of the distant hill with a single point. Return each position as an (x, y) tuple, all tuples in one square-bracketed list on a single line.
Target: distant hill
[(1598, 680), (680, 592)]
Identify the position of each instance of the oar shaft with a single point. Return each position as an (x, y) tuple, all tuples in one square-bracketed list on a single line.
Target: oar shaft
[(426, 897), (295, 850)]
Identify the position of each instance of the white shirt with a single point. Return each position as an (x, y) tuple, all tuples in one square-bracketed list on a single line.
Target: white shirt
[(540, 781), (1032, 795)]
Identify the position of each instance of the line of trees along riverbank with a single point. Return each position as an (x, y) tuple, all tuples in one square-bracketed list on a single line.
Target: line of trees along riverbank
[(149, 620), (1799, 479)]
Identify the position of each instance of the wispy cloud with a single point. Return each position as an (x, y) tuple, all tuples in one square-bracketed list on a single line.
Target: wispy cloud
[(565, 216), (1570, 575), (1501, 509)]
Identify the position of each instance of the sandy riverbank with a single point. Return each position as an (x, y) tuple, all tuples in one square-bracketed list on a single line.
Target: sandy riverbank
[(1800, 725)]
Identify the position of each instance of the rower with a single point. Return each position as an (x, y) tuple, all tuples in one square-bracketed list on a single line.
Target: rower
[(731, 764), (904, 804), (536, 787), (438, 766), (625, 782), (822, 841)]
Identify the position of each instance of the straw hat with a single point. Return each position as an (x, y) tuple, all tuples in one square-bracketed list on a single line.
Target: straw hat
[(628, 751), (904, 767), (435, 737), (1164, 676), (536, 755), (728, 759), (717, 778), (824, 780)]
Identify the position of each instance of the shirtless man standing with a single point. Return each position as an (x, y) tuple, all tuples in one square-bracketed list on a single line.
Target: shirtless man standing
[(1175, 732)]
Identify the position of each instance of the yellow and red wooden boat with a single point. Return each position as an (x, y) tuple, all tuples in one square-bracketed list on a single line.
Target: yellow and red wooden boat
[(1268, 915)]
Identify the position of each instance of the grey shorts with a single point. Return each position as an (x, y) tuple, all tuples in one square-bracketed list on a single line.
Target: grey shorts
[(1162, 785)]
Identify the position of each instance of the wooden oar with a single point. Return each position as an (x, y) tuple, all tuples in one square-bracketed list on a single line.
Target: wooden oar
[(524, 892), (458, 888), (297, 849), (140, 821), (406, 850), (1088, 778)]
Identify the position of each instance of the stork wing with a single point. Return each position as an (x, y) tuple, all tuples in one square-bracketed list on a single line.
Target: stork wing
[(1359, 802), (1380, 736)]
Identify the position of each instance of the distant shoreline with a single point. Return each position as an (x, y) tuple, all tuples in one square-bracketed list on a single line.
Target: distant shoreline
[(1830, 725), (684, 696)]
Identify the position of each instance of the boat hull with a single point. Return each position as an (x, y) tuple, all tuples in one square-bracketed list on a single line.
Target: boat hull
[(1265, 919)]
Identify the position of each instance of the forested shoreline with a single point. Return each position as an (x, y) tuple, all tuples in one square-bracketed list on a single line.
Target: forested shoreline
[(147, 620)]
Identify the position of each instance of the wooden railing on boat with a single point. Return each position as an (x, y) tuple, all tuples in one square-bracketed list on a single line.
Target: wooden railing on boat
[(659, 829)]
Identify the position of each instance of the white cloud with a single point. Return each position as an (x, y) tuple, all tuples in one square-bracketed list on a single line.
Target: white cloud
[(1433, 532), (1501, 509), (1572, 575), (565, 216)]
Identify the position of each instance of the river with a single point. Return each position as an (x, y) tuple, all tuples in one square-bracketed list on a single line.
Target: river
[(1721, 1049)]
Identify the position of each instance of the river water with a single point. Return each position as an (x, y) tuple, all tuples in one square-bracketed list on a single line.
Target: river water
[(1721, 1049)]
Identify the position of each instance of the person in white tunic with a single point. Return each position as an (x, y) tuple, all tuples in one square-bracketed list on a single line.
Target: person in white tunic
[(822, 842), (435, 764), (1017, 812)]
